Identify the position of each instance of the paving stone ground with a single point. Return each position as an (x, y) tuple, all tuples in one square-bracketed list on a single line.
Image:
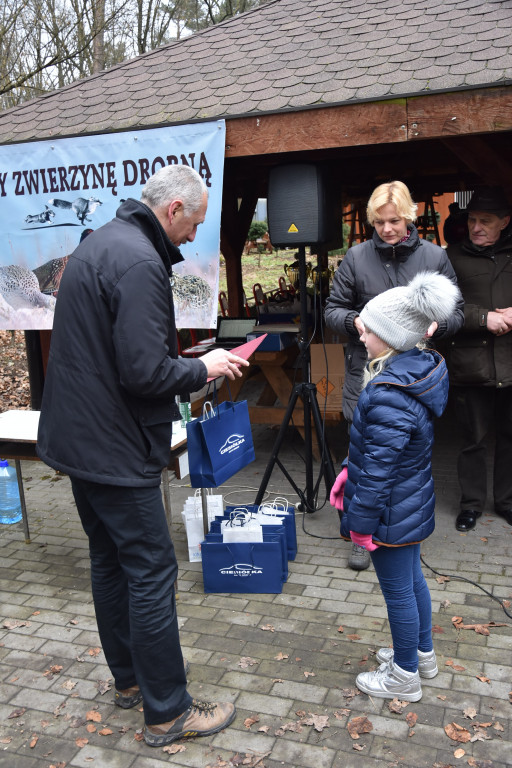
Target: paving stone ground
[(288, 661)]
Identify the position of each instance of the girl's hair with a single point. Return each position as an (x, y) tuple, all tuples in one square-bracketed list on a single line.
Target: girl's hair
[(378, 363), (394, 192)]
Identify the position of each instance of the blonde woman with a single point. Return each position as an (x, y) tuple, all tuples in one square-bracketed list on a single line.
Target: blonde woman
[(391, 258)]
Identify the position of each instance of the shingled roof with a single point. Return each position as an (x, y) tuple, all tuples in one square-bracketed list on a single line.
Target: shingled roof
[(283, 56)]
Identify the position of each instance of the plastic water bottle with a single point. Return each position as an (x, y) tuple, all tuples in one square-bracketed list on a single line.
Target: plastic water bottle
[(10, 504)]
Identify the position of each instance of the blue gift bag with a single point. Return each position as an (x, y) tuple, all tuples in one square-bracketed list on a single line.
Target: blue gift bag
[(242, 567), (277, 531), (219, 444), (288, 517)]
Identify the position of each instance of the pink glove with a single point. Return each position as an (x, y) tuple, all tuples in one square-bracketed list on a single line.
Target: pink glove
[(364, 540), (336, 497)]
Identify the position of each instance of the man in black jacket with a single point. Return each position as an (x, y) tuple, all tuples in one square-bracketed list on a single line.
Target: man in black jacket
[(106, 421), (479, 356)]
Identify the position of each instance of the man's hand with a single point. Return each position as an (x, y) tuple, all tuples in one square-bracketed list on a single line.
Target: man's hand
[(221, 362), (499, 322), (506, 315)]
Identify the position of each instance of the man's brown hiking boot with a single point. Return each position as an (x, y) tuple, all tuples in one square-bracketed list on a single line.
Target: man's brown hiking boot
[(201, 719)]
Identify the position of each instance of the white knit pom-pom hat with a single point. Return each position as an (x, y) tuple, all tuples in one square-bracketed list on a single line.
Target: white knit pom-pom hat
[(401, 316)]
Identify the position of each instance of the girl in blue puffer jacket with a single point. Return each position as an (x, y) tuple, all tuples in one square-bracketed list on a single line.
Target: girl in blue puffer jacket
[(388, 496)]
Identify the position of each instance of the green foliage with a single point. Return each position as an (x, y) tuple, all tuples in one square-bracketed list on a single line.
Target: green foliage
[(257, 229)]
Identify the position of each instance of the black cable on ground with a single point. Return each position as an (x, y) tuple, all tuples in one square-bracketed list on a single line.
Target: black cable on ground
[(463, 578)]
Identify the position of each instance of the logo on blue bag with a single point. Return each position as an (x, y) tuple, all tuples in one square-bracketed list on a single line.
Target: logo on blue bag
[(241, 569), (232, 444)]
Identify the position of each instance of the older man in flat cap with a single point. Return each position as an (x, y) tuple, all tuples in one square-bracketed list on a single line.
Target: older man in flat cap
[(480, 356)]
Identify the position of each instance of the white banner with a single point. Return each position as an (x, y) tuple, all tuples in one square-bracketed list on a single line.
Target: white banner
[(52, 192)]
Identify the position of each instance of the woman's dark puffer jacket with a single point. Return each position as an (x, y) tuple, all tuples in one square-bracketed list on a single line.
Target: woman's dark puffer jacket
[(367, 270)]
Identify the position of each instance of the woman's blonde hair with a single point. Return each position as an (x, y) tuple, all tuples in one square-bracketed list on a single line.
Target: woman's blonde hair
[(394, 192)]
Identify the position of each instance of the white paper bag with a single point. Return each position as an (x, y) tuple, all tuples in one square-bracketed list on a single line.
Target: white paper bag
[(192, 515)]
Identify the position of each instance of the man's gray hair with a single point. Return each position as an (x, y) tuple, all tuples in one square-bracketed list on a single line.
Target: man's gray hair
[(173, 182)]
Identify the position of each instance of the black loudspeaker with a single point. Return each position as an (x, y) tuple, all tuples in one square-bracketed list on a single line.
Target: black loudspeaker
[(303, 206)]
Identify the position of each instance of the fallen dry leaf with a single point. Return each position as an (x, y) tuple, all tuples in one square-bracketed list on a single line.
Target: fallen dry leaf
[(349, 693), (264, 728), (91, 728), (459, 753), (33, 740), (246, 661), (437, 630), (281, 656), (340, 629), (93, 715), (293, 726), (81, 742), (250, 721), (94, 651), (319, 722), (17, 713), (483, 679), (309, 674), (358, 747), (442, 579), (277, 680), (445, 603), (359, 725), (469, 712), (397, 706), (341, 713), (103, 686), (15, 624), (268, 628), (411, 718), (354, 637), (498, 727), (105, 732), (480, 735), (68, 685), (54, 670), (457, 733), (173, 749)]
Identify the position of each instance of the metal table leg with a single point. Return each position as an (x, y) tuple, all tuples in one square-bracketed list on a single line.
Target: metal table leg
[(22, 500)]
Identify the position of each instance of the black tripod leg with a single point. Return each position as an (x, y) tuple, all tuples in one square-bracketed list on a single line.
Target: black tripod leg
[(325, 454), (277, 445)]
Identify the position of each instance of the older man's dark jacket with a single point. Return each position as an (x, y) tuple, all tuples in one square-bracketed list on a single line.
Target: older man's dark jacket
[(475, 356), (113, 371)]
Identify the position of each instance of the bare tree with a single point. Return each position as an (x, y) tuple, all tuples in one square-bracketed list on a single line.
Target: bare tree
[(46, 44)]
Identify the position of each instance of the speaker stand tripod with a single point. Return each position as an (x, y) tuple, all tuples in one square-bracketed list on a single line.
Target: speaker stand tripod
[(306, 391)]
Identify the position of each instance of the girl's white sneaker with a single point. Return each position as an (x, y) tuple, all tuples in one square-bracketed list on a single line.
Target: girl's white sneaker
[(427, 664), (390, 681)]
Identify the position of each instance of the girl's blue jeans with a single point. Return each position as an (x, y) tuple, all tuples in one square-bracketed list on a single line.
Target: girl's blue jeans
[(408, 602)]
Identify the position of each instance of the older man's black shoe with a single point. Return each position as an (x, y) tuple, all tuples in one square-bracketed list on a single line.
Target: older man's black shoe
[(507, 515), (466, 520)]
